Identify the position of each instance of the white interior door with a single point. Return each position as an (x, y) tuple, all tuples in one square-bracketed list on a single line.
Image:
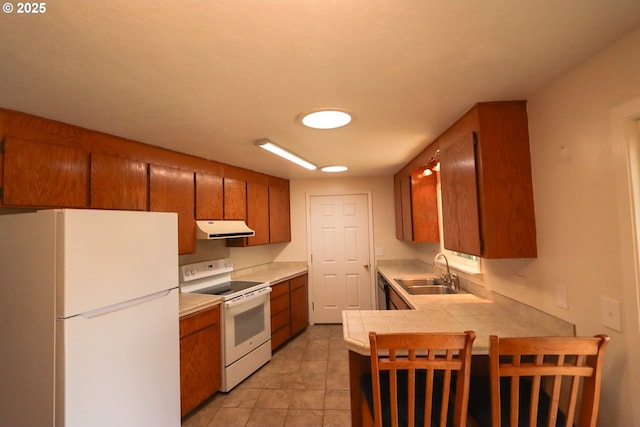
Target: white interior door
[(340, 256)]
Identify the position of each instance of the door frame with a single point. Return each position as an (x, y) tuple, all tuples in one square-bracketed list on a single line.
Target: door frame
[(372, 260)]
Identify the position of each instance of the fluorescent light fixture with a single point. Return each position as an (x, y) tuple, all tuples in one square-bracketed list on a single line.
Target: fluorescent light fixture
[(334, 168), (326, 119), (269, 145)]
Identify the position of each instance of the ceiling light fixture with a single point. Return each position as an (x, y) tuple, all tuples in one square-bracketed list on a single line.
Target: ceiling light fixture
[(335, 168), (326, 119), (433, 165), (269, 145)]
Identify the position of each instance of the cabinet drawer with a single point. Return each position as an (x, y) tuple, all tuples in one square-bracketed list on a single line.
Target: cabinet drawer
[(279, 289), (279, 304), (199, 320), (298, 282), (279, 337), (279, 320)]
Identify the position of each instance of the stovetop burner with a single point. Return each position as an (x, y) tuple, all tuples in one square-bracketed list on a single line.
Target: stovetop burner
[(228, 288), (214, 278)]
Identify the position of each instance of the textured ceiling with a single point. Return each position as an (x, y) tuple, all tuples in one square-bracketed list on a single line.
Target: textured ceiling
[(210, 77)]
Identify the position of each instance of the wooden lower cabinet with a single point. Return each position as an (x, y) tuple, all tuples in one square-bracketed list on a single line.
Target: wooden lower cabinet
[(396, 302), (289, 309), (299, 296), (280, 314), (200, 357)]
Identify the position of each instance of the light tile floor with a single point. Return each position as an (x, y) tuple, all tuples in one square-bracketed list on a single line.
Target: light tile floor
[(306, 383)]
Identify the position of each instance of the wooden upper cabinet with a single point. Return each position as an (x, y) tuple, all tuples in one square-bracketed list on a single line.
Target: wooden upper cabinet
[(487, 192), (424, 207), (258, 213), (4, 125), (397, 199), (460, 221), (279, 214), (39, 174), (416, 206), (118, 183), (173, 190), (209, 196), (235, 199)]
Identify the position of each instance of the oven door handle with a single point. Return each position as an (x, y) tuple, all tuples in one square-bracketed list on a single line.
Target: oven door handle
[(247, 299)]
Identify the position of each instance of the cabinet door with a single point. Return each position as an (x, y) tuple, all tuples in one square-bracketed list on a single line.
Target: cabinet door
[(424, 207), (118, 183), (44, 175), (407, 218), (280, 314), (172, 190), (460, 223), (299, 304), (235, 199), (258, 213), (200, 357), (279, 214), (209, 196), (397, 199)]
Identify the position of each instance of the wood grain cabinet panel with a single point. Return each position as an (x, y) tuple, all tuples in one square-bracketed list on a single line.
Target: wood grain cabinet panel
[(416, 206), (39, 174), (258, 213), (118, 183), (235, 199), (461, 224), (279, 214), (173, 190), (200, 357), (424, 207), (209, 196), (280, 314), (299, 300), (487, 191)]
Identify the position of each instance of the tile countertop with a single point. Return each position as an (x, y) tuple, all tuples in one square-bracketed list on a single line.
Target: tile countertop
[(190, 303), (273, 272), (443, 313)]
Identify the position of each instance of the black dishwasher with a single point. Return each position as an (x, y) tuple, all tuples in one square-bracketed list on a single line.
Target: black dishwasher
[(382, 293)]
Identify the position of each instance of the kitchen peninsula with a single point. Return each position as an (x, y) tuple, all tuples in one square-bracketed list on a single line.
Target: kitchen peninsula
[(491, 314)]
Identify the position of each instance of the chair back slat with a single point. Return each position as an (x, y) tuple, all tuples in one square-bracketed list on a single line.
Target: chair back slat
[(413, 373), (549, 370)]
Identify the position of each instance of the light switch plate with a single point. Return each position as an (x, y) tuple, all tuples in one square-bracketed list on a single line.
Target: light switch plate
[(379, 251), (611, 314)]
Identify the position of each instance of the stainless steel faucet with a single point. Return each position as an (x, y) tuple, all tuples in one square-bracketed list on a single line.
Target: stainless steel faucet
[(449, 278)]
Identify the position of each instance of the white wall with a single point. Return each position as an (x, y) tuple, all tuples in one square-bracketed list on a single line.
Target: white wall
[(583, 214)]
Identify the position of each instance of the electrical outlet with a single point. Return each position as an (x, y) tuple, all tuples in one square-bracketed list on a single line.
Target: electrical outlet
[(562, 296), (379, 251), (611, 315)]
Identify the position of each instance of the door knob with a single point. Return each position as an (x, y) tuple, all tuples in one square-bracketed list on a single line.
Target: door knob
[(366, 266)]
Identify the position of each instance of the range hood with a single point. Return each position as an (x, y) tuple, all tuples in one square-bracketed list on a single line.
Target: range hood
[(222, 229)]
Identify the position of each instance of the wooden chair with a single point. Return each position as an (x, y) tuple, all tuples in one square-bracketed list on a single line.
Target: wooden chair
[(520, 369), (418, 379)]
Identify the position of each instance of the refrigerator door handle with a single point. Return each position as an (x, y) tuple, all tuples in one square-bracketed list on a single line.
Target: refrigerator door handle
[(122, 305)]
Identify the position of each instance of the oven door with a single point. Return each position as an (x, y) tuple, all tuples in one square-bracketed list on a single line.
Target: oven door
[(247, 324)]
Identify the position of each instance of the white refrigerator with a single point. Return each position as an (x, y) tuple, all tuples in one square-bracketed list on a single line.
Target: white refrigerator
[(89, 319)]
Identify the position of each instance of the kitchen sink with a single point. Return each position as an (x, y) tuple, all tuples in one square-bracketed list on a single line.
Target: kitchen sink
[(431, 290), (429, 286), (430, 281)]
